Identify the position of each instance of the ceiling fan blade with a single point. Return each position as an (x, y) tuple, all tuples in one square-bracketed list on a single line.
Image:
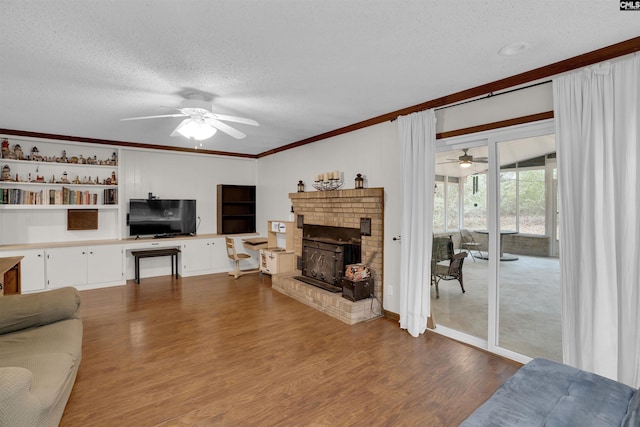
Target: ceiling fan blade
[(225, 128), (152, 117), (235, 119)]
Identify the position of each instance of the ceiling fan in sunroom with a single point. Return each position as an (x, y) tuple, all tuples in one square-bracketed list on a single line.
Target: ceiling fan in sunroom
[(466, 160)]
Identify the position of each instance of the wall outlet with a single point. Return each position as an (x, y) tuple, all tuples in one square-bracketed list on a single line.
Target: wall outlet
[(389, 289)]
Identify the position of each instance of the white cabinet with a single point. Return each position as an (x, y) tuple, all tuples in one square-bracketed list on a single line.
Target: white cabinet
[(31, 269), (66, 267), (84, 266), (204, 256), (104, 264)]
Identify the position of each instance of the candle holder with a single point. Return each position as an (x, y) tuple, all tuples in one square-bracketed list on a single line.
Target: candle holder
[(300, 186), (331, 184), (359, 181)]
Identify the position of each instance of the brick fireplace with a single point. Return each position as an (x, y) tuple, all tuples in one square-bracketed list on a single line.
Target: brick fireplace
[(340, 208)]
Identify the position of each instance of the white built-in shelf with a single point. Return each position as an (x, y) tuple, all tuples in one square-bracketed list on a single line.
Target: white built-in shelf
[(54, 207), (57, 164), (52, 184)]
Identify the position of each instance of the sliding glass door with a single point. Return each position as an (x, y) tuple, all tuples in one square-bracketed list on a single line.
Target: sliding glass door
[(529, 274), (460, 206), (495, 199)]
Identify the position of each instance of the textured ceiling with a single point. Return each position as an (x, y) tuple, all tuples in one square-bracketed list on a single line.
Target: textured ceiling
[(300, 68)]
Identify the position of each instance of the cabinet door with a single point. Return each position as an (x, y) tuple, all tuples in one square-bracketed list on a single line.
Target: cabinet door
[(32, 268), (220, 261), (196, 255), (66, 267), (104, 264)]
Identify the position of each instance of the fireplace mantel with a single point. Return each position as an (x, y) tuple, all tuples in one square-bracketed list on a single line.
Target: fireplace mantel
[(340, 208)]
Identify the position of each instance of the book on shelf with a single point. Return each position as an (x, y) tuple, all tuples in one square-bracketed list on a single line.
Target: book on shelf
[(64, 196), (110, 196)]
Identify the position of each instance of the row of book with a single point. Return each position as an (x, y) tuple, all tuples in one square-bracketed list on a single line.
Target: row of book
[(64, 196)]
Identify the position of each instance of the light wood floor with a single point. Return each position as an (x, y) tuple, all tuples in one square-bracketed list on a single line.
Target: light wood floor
[(213, 351)]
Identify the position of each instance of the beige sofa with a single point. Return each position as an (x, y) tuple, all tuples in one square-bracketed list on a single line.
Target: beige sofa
[(40, 351)]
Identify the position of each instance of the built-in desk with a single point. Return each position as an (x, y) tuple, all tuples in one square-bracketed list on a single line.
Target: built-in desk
[(152, 253)]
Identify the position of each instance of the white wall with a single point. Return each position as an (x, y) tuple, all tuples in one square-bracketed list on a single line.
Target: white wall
[(173, 175)]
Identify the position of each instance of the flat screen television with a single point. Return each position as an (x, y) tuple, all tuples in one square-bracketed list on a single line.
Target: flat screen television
[(162, 217)]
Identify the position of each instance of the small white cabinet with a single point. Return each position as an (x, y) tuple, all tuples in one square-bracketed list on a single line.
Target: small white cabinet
[(88, 266), (204, 256)]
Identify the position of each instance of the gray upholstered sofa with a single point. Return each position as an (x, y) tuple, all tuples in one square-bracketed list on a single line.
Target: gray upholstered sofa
[(550, 394), (40, 351)]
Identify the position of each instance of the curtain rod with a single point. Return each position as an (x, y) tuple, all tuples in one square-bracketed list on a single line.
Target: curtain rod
[(489, 95)]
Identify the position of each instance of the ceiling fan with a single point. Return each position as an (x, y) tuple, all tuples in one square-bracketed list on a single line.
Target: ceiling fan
[(466, 160), (200, 123)]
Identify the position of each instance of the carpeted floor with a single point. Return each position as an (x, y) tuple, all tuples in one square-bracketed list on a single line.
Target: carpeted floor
[(529, 305)]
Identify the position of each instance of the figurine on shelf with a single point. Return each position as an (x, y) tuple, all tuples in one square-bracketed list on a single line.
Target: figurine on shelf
[(114, 159), (63, 159), (82, 160), (77, 180), (18, 152), (107, 181), (39, 178), (35, 154), (74, 160), (6, 173), (10, 155), (65, 178), (113, 178), (5, 148)]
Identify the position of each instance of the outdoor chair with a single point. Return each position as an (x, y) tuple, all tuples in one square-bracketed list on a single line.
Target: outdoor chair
[(467, 242), (442, 250)]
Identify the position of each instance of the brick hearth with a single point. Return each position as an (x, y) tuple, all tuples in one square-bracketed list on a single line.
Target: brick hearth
[(340, 208)]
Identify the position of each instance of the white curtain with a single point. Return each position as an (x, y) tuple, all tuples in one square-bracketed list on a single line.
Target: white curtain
[(418, 141), (597, 115)]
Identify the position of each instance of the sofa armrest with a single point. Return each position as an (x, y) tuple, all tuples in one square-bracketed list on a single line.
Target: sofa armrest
[(19, 312), (18, 405)]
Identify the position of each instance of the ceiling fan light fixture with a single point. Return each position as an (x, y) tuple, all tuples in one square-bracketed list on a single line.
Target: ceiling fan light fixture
[(196, 128), (465, 164)]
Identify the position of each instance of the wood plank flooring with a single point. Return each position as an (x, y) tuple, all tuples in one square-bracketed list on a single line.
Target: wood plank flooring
[(214, 351)]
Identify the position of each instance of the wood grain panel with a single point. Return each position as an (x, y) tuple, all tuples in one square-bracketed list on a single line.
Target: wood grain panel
[(211, 350)]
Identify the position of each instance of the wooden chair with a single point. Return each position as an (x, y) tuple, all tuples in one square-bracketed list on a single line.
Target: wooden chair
[(232, 254), (443, 250), (468, 242)]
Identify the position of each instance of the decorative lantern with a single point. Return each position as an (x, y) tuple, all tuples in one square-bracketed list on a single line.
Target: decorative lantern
[(359, 181), (300, 187)]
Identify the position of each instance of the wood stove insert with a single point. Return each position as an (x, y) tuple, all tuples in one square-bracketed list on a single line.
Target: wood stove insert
[(326, 251)]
